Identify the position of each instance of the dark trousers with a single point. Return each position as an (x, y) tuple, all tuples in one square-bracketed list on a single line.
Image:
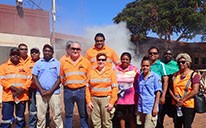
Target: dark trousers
[(70, 97), (164, 109), (187, 118), (8, 111), (32, 108)]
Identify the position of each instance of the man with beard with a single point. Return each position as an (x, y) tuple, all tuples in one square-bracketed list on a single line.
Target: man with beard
[(99, 47), (172, 67), (46, 75)]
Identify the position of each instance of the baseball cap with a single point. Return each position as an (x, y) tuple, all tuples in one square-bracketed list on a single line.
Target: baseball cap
[(36, 50)]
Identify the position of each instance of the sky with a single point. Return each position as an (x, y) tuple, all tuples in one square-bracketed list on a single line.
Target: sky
[(74, 16)]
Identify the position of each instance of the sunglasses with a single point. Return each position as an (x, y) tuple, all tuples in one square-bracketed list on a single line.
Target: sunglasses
[(181, 62), (99, 40), (153, 53), (23, 49), (77, 49), (101, 59)]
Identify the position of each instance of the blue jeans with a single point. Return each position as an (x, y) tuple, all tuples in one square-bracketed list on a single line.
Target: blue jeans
[(70, 97), (32, 108), (7, 114)]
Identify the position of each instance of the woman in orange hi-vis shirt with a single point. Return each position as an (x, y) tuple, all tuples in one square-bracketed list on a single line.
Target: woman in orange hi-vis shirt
[(101, 93), (185, 86)]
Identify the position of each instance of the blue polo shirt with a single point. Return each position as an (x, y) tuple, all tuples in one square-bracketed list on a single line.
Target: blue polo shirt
[(47, 73), (146, 89), (159, 68)]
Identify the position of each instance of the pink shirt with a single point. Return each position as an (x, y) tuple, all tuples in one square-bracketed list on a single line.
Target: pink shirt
[(125, 80)]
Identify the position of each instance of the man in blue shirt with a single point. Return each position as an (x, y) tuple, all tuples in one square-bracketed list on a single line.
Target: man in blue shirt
[(46, 75)]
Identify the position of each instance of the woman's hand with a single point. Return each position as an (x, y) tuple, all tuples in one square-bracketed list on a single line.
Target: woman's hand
[(180, 102), (90, 106), (109, 107)]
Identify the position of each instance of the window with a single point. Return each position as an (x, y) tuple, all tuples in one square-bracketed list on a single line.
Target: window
[(196, 60), (204, 60)]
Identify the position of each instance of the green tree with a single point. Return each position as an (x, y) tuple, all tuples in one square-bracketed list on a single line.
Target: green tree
[(185, 18)]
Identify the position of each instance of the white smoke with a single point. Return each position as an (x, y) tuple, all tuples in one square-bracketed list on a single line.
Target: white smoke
[(117, 37)]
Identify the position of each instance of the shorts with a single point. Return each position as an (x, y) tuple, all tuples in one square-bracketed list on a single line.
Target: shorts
[(147, 120), (125, 110)]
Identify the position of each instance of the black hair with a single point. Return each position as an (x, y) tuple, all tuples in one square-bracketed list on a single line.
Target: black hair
[(22, 44), (146, 58), (99, 35), (48, 46), (158, 51), (126, 54)]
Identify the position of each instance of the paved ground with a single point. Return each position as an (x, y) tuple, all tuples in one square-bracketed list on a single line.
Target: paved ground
[(199, 122)]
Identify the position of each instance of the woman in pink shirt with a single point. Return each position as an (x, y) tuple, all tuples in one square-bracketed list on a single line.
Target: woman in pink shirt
[(125, 105)]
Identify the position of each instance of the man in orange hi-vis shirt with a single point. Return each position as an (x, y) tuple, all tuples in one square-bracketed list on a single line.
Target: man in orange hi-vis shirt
[(15, 82), (73, 72), (23, 49), (99, 47), (35, 56), (101, 93)]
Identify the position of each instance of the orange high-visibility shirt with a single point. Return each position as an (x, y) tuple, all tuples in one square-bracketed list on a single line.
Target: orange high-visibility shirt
[(102, 84), (25, 62), (30, 65), (63, 58), (16, 75), (111, 56), (74, 74), (179, 89)]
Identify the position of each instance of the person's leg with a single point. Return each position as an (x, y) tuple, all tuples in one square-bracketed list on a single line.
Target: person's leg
[(131, 114), (81, 104), (95, 113), (42, 104), (69, 107), (150, 121), (7, 114), (178, 121), (120, 115), (188, 116), (32, 109), (20, 119), (106, 116), (161, 115), (55, 106), (140, 120)]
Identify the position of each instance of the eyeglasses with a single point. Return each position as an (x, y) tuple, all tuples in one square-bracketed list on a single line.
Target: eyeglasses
[(23, 49), (77, 49), (99, 40), (153, 53), (101, 59), (181, 62)]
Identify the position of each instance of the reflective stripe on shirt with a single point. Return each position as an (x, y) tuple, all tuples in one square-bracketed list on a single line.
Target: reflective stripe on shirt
[(100, 80), (101, 89), (74, 82), (74, 73), (15, 76)]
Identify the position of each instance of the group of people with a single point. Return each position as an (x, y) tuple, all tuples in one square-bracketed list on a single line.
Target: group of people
[(123, 94)]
